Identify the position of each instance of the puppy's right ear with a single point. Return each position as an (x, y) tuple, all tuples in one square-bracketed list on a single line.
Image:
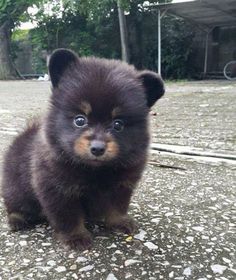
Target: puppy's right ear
[(59, 61), (153, 85)]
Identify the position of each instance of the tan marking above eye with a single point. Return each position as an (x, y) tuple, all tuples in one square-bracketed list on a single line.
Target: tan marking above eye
[(85, 107), (116, 112)]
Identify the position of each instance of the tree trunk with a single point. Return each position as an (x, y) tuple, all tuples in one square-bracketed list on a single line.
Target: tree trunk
[(123, 33), (135, 40), (7, 69)]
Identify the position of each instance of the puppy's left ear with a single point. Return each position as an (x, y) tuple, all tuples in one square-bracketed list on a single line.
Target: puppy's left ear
[(153, 85)]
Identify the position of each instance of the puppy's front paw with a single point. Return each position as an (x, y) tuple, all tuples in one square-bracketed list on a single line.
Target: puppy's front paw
[(123, 224), (78, 241)]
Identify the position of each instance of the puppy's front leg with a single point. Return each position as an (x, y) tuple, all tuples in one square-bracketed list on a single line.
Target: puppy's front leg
[(66, 216), (116, 217)]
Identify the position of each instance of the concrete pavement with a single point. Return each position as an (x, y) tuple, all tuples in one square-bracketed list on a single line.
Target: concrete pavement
[(185, 207)]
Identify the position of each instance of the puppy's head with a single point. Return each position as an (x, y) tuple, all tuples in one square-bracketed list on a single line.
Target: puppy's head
[(100, 109)]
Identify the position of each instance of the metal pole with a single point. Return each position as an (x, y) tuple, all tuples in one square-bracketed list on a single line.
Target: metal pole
[(206, 53), (159, 42)]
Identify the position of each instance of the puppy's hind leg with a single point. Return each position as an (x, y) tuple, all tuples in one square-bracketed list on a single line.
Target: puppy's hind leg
[(24, 214), (17, 221)]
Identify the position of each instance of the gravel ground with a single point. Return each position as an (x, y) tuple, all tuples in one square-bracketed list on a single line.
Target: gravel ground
[(186, 210)]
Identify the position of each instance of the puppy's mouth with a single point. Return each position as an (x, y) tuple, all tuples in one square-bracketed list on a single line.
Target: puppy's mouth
[(96, 161)]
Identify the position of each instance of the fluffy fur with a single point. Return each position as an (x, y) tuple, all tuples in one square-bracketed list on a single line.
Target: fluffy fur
[(84, 159)]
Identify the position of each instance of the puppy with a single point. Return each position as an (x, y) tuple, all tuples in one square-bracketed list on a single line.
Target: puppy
[(83, 160)]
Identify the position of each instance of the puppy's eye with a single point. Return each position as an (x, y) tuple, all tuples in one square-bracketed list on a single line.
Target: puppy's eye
[(118, 125), (80, 121)]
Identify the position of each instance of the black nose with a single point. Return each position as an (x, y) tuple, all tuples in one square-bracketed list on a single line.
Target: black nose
[(97, 148)]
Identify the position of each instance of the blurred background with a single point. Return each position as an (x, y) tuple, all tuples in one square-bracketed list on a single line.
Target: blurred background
[(31, 29)]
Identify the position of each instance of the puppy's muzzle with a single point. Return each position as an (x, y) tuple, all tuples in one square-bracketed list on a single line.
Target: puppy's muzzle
[(97, 148)]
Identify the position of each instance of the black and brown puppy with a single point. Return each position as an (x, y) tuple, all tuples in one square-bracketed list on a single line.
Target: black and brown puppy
[(84, 159)]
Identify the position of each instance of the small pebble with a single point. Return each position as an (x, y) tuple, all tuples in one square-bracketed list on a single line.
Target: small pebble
[(81, 259), (129, 238), (187, 271), (60, 269), (130, 262), (86, 268), (217, 268), (111, 276), (73, 267), (150, 245), (51, 263), (44, 244), (23, 243), (75, 276)]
